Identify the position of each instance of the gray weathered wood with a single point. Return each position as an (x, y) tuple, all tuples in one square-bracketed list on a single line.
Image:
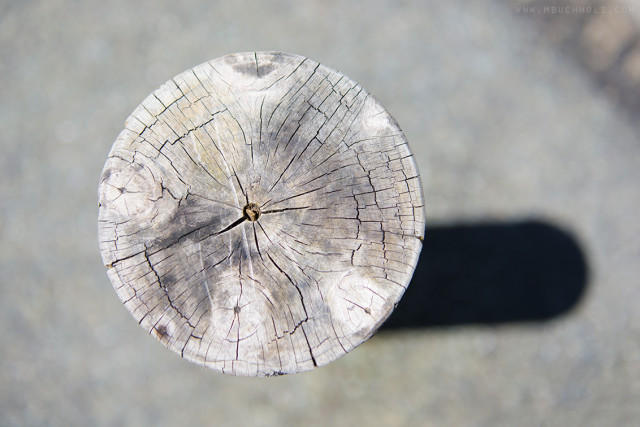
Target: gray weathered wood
[(260, 214)]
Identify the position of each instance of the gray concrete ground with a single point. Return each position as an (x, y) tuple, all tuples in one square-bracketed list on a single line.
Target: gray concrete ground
[(509, 119)]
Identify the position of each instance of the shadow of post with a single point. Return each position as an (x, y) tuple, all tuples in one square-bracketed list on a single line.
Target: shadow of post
[(492, 273)]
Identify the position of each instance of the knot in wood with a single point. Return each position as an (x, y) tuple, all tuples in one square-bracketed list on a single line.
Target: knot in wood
[(260, 214), (252, 211)]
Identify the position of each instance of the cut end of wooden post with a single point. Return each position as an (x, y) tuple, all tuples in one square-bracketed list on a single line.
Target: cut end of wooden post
[(261, 214)]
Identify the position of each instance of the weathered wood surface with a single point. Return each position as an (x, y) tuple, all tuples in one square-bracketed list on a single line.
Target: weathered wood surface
[(260, 214)]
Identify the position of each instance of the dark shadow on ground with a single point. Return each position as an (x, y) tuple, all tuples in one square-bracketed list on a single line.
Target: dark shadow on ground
[(492, 273)]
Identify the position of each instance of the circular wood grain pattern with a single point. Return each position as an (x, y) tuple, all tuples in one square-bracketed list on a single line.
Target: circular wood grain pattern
[(260, 214)]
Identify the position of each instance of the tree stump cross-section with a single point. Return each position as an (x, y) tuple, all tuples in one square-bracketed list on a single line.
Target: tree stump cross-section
[(260, 214)]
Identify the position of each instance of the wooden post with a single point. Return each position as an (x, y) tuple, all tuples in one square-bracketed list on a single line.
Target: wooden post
[(260, 214)]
